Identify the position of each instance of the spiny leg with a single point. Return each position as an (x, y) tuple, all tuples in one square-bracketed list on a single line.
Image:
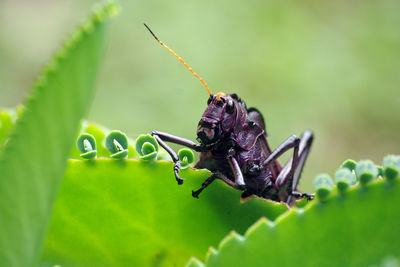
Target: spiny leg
[(161, 137), (304, 149), (292, 142), (290, 174), (289, 143)]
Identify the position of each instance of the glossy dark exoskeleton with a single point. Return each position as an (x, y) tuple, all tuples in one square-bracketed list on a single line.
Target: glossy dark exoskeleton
[(233, 146)]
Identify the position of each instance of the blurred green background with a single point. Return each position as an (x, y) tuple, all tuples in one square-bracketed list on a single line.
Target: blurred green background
[(329, 66)]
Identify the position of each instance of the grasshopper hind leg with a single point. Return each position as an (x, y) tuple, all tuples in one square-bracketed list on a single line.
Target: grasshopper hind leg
[(290, 174)]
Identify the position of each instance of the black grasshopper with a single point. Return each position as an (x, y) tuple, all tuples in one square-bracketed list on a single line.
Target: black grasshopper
[(233, 145)]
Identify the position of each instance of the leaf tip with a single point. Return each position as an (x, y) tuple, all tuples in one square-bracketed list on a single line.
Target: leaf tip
[(211, 252), (232, 238), (261, 224), (107, 9), (194, 262)]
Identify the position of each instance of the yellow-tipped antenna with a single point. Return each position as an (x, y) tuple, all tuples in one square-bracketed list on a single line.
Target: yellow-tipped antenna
[(180, 59)]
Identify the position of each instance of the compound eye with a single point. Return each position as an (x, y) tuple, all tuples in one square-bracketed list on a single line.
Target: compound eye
[(229, 107), (220, 103)]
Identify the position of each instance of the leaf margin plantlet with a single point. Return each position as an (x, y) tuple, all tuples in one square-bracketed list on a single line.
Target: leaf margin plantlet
[(391, 167), (366, 171), (323, 185), (86, 143), (186, 157), (344, 178), (152, 147), (117, 143)]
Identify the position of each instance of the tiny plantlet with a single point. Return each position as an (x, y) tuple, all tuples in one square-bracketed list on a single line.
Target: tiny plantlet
[(344, 178), (117, 144), (147, 147), (366, 171), (87, 146), (323, 185), (391, 166), (186, 157), (233, 145)]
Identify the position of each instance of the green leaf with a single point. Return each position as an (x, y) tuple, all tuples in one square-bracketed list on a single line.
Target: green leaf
[(6, 125), (34, 159), (133, 213), (193, 262), (358, 227)]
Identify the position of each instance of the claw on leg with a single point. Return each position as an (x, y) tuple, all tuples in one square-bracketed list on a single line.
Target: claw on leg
[(206, 183), (177, 168), (196, 194), (179, 179), (308, 196), (302, 195)]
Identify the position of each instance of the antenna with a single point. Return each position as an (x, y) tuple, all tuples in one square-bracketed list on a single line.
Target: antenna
[(179, 58)]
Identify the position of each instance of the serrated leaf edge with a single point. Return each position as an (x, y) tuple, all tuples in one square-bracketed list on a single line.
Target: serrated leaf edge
[(264, 224)]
